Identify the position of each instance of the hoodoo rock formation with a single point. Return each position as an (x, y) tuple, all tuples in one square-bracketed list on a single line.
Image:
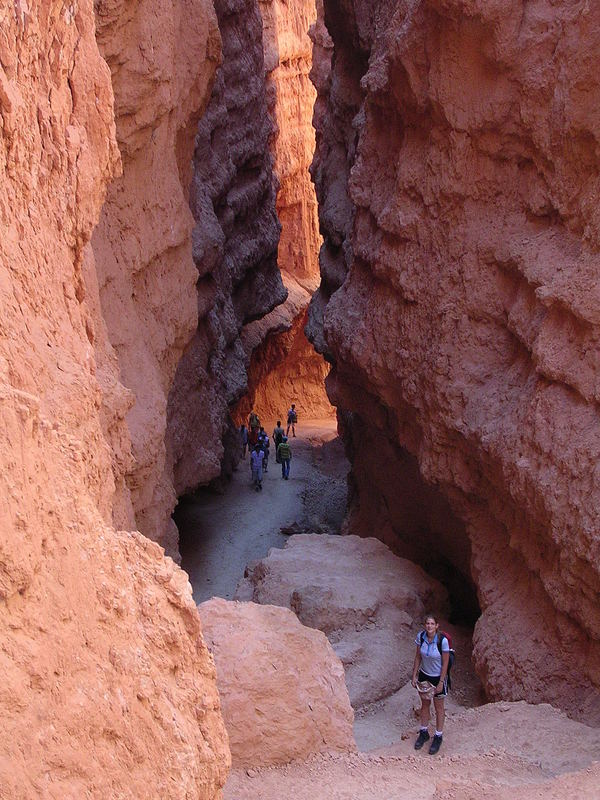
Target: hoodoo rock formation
[(146, 151), (107, 688), (457, 175)]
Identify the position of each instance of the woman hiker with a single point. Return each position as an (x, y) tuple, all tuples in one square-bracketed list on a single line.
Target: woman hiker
[(431, 667)]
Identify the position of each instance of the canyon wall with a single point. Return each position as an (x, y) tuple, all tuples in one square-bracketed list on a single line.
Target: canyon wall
[(283, 366), (163, 55), (457, 175), (108, 690), (235, 242)]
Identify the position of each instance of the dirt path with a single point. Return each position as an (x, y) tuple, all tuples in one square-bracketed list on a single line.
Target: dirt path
[(500, 751), (221, 534)]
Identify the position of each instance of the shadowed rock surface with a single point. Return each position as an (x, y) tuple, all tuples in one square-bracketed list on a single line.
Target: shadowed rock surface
[(456, 171), (368, 602), (235, 243)]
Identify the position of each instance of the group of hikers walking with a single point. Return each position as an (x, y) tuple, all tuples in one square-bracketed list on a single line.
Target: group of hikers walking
[(256, 440)]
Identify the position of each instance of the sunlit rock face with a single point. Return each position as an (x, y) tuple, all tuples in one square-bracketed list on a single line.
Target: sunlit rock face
[(163, 56), (107, 688), (457, 176), (288, 60), (235, 243), (282, 686)]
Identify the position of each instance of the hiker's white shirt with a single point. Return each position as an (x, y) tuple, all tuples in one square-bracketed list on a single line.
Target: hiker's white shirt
[(431, 660)]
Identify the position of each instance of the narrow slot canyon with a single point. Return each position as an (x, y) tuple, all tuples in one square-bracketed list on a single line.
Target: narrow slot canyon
[(385, 215)]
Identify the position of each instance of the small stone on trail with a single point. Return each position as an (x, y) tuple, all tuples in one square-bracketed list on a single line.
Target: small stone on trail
[(291, 530)]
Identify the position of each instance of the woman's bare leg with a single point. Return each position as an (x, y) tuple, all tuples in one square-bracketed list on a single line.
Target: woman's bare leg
[(425, 712), (440, 713)]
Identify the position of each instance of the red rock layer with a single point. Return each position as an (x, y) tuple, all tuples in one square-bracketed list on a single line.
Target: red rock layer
[(284, 368), (457, 172), (234, 247), (107, 689)]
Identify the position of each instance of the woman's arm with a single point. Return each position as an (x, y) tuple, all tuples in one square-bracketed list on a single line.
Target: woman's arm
[(445, 660), (416, 665)]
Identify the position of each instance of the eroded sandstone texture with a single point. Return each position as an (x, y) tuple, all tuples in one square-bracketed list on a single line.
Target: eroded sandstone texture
[(282, 686), (457, 172), (107, 689), (235, 242), (284, 368), (366, 600), (163, 57)]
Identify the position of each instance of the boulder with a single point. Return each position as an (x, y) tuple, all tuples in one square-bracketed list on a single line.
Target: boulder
[(282, 687)]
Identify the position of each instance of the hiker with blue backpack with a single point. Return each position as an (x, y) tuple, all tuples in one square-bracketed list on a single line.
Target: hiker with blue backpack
[(430, 677)]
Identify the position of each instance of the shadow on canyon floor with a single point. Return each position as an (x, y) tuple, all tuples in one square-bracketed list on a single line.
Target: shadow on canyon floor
[(221, 533)]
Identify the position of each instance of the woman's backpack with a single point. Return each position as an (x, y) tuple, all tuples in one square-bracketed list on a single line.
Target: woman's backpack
[(452, 654)]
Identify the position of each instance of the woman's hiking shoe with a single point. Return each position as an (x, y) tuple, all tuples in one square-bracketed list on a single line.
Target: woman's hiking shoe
[(421, 739), (435, 745)]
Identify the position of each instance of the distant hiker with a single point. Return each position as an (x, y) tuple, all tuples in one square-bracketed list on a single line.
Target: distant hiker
[(430, 677), (278, 434), (256, 462), (244, 438), (284, 456), (263, 440), (252, 438), (253, 421), (292, 419)]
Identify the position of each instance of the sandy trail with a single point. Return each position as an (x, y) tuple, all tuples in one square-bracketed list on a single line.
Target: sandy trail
[(500, 751), (221, 533)]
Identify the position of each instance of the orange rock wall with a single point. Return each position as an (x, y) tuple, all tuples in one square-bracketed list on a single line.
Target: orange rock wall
[(288, 59), (162, 55), (284, 368), (457, 175), (107, 689)]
